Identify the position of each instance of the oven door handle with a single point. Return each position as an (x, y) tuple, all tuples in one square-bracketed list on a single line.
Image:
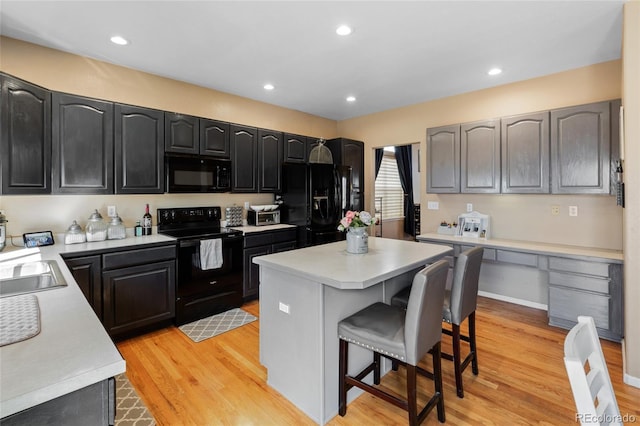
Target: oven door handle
[(196, 242), (189, 243)]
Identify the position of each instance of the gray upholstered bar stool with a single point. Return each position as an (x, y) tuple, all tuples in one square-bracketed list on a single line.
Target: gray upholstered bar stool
[(459, 304), (402, 335)]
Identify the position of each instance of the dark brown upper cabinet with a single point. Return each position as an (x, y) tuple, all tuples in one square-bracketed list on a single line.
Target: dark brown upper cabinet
[(525, 153), (215, 138), (25, 137), (82, 141), (443, 159), (295, 148), (270, 154), (580, 149), (244, 157), (185, 134), (181, 133), (480, 157), (139, 150)]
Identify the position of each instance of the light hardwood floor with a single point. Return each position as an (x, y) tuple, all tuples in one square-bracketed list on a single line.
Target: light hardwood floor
[(220, 381)]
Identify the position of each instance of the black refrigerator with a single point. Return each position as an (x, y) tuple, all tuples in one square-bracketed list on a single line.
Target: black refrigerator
[(315, 198)]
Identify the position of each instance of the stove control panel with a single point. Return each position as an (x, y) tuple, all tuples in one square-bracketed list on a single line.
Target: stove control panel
[(184, 215)]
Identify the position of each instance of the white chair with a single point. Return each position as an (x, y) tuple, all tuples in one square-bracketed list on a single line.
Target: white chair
[(591, 385)]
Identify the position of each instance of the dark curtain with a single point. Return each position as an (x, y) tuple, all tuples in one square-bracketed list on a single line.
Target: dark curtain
[(379, 155), (403, 158)]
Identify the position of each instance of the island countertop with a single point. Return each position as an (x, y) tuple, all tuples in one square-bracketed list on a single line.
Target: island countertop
[(330, 264)]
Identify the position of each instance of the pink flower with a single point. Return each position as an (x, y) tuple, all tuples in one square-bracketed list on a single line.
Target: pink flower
[(350, 215), (346, 221)]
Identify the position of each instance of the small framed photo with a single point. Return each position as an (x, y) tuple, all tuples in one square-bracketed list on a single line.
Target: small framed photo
[(38, 239)]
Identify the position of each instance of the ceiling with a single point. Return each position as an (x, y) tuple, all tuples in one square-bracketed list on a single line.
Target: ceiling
[(400, 53)]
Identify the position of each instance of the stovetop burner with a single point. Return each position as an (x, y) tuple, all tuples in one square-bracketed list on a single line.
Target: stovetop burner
[(189, 222)]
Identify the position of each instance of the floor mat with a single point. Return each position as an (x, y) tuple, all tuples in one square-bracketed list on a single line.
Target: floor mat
[(130, 410), (216, 324)]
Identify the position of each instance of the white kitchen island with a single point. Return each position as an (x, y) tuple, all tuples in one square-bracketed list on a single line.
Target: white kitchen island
[(304, 293)]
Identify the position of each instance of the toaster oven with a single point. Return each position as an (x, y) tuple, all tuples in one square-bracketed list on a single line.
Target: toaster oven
[(263, 218)]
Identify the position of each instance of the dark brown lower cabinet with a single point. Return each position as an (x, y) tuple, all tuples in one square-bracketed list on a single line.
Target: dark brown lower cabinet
[(87, 271), (93, 405), (259, 244), (131, 290), (138, 296)]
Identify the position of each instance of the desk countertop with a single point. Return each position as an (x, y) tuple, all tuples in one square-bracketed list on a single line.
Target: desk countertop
[(528, 246)]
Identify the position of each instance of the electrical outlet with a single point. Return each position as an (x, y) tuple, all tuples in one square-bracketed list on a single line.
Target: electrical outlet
[(555, 210), (247, 205), (111, 211), (469, 207), (283, 307), (433, 205), (573, 210)]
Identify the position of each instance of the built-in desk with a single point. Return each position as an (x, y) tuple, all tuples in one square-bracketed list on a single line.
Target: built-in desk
[(567, 281), (304, 293)]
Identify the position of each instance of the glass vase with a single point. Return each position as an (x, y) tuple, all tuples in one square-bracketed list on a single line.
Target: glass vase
[(357, 240)]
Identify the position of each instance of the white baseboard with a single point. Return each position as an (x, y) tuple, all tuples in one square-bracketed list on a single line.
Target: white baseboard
[(513, 300), (631, 381), (627, 378)]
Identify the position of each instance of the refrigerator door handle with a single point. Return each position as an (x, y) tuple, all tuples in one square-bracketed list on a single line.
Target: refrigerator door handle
[(338, 206)]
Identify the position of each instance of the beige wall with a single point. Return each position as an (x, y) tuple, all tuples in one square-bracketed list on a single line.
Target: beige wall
[(56, 70), (518, 217), (631, 102)]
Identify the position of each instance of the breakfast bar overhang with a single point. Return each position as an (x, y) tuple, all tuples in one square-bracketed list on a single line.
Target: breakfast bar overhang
[(305, 293)]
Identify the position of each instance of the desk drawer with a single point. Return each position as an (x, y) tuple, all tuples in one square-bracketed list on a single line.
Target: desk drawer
[(526, 259), (579, 282), (567, 304), (579, 266), (487, 254)]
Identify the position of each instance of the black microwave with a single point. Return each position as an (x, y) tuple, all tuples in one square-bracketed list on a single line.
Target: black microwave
[(197, 174)]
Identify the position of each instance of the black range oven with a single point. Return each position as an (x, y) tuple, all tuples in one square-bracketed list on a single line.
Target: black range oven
[(201, 292)]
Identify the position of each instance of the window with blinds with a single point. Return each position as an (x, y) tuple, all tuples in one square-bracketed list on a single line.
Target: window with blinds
[(388, 187)]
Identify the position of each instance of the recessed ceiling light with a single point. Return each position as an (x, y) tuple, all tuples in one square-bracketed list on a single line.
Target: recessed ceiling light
[(343, 30), (351, 98), (119, 40), (269, 86), (494, 71)]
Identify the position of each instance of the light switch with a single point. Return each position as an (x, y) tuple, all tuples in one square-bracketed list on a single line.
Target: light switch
[(573, 210), (433, 205)]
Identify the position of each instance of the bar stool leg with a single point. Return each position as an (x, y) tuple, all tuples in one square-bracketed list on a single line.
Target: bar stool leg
[(412, 404), (472, 342), (456, 359), (437, 380)]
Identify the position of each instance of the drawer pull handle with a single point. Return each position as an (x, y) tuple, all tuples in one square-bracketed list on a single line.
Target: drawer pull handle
[(213, 282)]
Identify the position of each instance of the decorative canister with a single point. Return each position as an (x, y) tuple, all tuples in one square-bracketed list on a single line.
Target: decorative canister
[(3, 230), (357, 240), (116, 230), (96, 229), (74, 234)]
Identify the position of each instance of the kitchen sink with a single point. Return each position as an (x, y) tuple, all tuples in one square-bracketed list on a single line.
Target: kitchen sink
[(29, 277)]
